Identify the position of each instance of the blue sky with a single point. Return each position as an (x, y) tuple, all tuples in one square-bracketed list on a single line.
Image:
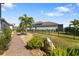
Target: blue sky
[(61, 13)]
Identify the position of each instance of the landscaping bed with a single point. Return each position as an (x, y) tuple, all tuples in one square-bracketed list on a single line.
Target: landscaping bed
[(5, 38), (63, 45)]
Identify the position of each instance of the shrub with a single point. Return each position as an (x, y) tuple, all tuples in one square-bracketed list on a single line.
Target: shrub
[(58, 52), (7, 33), (2, 41), (5, 37), (73, 52), (64, 52), (18, 29), (36, 42), (72, 31), (3, 45), (22, 31)]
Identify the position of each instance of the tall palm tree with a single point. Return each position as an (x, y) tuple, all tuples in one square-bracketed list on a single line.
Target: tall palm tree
[(75, 24), (22, 27), (23, 23), (30, 22), (26, 21)]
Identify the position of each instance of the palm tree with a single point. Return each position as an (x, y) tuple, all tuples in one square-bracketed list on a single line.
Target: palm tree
[(30, 22), (75, 24), (25, 22), (22, 27)]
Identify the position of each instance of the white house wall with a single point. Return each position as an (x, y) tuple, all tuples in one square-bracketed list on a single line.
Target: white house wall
[(46, 28), (43, 28)]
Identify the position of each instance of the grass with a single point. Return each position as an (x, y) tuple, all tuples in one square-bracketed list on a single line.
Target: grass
[(62, 41), (65, 44)]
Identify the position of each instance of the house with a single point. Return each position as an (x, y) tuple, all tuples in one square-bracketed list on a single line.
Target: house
[(3, 24), (47, 26)]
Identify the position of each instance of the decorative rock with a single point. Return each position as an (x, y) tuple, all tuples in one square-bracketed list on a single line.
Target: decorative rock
[(48, 45)]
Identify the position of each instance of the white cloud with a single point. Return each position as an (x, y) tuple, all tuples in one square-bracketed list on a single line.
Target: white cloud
[(59, 11), (63, 9), (54, 14), (7, 6)]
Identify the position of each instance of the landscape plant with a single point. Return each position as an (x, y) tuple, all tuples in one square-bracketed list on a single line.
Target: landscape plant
[(64, 52), (5, 37), (25, 22), (7, 33), (36, 42), (75, 24)]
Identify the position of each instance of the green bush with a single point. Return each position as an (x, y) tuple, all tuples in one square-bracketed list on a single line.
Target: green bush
[(36, 42), (72, 31), (5, 37), (7, 33), (3, 45), (2, 41), (73, 52), (18, 29), (58, 52), (64, 52)]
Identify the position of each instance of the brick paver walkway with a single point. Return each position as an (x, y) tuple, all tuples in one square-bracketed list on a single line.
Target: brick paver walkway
[(17, 47)]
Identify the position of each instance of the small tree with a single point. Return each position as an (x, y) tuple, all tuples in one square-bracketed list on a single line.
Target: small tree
[(25, 22), (75, 24), (30, 22)]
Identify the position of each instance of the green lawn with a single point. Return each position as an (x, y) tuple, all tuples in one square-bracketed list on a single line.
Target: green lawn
[(62, 41)]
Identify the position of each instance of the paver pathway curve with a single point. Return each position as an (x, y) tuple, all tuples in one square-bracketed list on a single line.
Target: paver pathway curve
[(17, 47)]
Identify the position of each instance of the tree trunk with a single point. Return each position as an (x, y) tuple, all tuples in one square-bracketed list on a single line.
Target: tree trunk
[(26, 31)]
